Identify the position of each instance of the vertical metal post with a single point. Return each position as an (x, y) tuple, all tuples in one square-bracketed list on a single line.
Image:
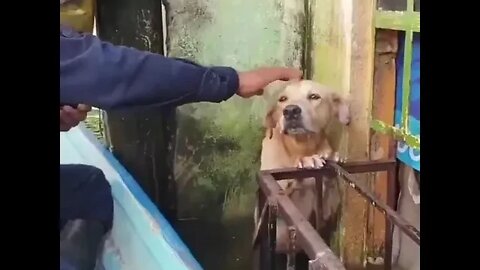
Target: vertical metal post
[(260, 237), (142, 141), (291, 256), (272, 234), (391, 202), (319, 206)]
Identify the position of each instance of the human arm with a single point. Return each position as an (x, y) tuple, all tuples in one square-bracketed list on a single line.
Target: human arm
[(111, 77)]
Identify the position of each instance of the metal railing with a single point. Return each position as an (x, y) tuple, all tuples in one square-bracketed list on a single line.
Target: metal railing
[(273, 202)]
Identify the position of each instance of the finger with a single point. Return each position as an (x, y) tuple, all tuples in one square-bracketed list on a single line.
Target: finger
[(67, 108), (82, 112), (294, 74), (69, 117), (75, 114), (300, 165), (318, 162), (84, 107), (64, 126), (290, 74), (299, 76), (308, 162)]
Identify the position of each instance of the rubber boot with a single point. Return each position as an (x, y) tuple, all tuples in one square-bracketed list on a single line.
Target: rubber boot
[(79, 243)]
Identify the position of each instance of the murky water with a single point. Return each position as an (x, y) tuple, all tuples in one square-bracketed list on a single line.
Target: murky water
[(219, 246)]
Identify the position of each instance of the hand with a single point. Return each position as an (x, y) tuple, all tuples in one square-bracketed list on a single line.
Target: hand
[(251, 83), (71, 117)]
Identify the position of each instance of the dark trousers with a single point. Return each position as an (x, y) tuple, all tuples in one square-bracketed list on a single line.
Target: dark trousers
[(85, 194)]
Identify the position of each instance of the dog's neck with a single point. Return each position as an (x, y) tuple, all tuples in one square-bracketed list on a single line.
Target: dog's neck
[(304, 145)]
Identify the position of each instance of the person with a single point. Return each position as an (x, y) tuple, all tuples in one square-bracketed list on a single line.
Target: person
[(111, 77)]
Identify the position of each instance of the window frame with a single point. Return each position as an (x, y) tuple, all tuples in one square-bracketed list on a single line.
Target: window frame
[(407, 21)]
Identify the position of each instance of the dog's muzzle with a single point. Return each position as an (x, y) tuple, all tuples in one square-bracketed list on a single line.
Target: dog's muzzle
[(292, 112), (293, 123)]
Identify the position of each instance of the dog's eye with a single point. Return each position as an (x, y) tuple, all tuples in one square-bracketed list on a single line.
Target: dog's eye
[(282, 99), (313, 97)]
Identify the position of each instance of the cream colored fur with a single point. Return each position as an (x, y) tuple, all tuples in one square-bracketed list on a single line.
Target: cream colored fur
[(305, 145)]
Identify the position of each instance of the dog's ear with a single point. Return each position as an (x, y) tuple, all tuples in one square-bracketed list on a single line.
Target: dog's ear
[(341, 107), (269, 119), (270, 123)]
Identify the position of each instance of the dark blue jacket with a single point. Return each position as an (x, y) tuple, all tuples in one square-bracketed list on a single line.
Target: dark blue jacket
[(115, 77)]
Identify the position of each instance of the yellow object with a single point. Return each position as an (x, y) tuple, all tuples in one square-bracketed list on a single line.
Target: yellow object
[(78, 14)]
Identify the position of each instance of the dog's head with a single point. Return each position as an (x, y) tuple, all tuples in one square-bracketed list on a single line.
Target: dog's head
[(306, 107)]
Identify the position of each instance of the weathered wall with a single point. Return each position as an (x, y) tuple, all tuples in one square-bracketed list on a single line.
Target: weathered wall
[(331, 34), (218, 146), (342, 51), (330, 38), (382, 146)]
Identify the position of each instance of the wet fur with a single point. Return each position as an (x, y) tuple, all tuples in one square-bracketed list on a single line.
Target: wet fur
[(281, 150)]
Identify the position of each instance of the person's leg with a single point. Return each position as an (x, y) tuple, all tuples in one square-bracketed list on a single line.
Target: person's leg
[(85, 194), (86, 214)]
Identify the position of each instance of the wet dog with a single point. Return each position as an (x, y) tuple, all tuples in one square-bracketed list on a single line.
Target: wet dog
[(296, 136)]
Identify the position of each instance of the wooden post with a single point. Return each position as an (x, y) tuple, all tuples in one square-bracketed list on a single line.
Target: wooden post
[(381, 145), (343, 53), (355, 208), (142, 141)]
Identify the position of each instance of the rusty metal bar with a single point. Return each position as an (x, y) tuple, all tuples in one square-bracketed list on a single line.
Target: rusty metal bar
[(391, 202), (333, 169), (292, 235), (307, 236), (319, 216), (321, 257), (403, 225), (316, 264), (260, 225), (272, 233), (351, 167), (369, 166)]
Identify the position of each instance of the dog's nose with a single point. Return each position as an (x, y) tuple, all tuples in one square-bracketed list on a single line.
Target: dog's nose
[(292, 112)]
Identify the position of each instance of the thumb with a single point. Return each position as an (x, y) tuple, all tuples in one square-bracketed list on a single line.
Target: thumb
[(83, 107), (293, 74)]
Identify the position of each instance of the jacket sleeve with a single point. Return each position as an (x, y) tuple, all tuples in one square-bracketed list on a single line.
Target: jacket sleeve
[(115, 77)]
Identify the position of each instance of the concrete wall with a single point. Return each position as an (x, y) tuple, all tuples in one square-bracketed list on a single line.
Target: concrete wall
[(218, 145)]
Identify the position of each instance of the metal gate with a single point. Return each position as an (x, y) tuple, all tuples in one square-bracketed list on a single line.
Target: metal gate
[(274, 203)]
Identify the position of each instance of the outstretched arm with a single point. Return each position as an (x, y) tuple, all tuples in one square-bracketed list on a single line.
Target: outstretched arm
[(110, 77)]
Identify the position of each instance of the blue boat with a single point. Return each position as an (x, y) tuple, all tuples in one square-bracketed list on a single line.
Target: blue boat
[(141, 238)]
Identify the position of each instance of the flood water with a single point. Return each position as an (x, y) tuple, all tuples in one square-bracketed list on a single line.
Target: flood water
[(219, 246)]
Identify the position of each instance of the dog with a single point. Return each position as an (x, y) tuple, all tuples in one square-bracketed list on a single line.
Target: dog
[(296, 136)]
